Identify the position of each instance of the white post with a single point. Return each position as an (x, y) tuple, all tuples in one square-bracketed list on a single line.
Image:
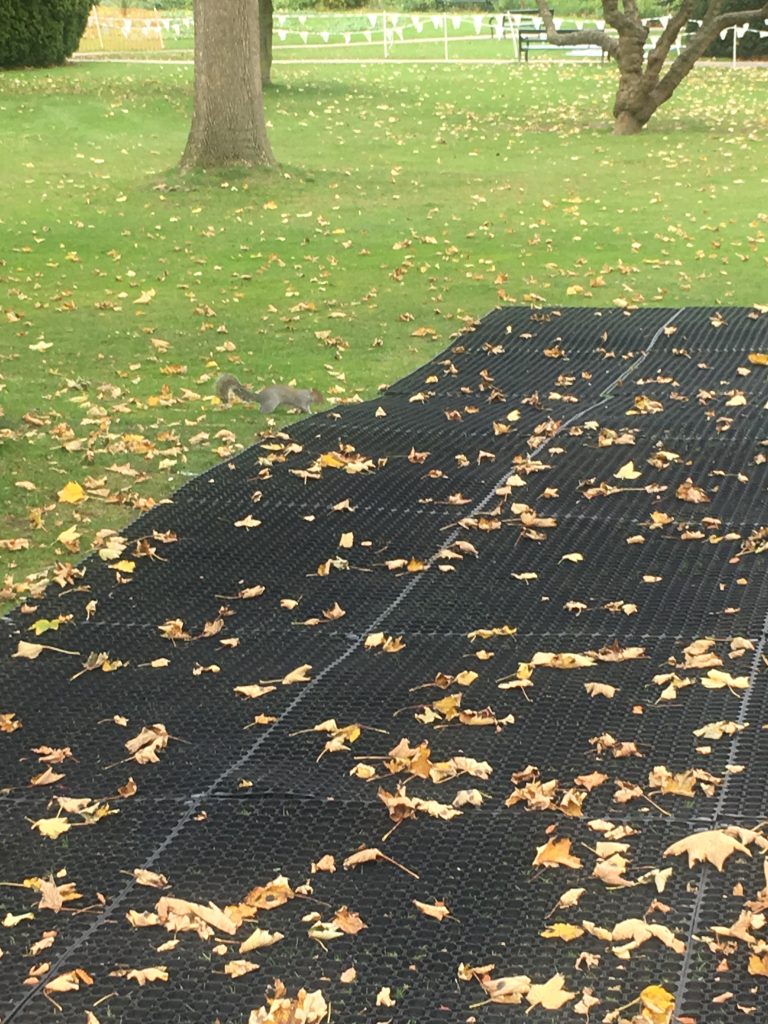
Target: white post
[(384, 21), (95, 13), (160, 30), (733, 59), (514, 33), (445, 37)]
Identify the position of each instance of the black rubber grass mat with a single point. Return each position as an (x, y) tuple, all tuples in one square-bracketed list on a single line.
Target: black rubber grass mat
[(231, 734), (593, 576), (367, 624), (499, 902), (205, 694)]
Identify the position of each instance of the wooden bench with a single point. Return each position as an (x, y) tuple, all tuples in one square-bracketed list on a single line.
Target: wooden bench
[(530, 38)]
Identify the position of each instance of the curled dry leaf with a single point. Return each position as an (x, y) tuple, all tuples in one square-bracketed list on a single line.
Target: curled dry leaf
[(69, 981), (562, 660), (401, 806), (306, 1007), (627, 472), (367, 855), (348, 921), (570, 898), (556, 852), (298, 675), (509, 991), (437, 910), (46, 778), (688, 491), (237, 968), (600, 690), (550, 994), (615, 652), (274, 894), (657, 1004), (25, 649), (9, 722), (715, 679), (714, 846), (143, 976), (175, 912), (52, 828), (53, 896), (252, 690), (145, 746), (562, 930), (384, 997), (258, 939), (149, 878)]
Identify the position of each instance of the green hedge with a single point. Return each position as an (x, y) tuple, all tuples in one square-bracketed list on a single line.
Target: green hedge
[(38, 33), (750, 45)]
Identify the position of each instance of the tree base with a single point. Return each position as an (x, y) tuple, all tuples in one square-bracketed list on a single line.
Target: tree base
[(627, 123)]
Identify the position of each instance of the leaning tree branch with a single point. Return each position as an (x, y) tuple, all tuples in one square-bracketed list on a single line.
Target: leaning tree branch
[(740, 17), (711, 26), (588, 36), (622, 22), (672, 30)]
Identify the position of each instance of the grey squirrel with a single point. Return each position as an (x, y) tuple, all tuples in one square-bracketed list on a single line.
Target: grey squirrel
[(269, 398)]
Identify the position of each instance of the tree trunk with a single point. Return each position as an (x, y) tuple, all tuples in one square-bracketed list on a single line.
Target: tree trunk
[(633, 105), (645, 82), (265, 29), (627, 123), (228, 124)]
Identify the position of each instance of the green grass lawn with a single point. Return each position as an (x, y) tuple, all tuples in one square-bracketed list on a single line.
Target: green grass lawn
[(409, 200)]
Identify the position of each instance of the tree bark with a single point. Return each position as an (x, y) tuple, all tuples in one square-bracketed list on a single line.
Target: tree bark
[(228, 123), (643, 83), (265, 30)]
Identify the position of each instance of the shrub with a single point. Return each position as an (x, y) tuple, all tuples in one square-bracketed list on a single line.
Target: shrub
[(342, 5), (175, 6), (750, 45), (38, 33)]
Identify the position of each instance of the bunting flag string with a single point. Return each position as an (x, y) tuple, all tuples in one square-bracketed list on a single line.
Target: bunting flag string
[(387, 28)]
